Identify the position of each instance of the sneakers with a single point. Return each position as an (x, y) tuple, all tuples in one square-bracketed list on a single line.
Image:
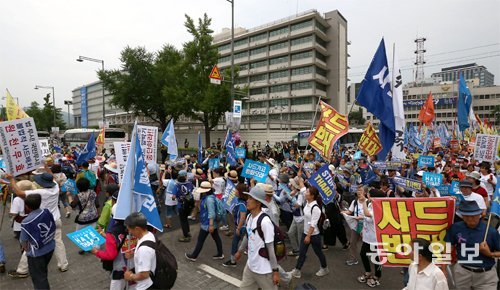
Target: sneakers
[(221, 257), (346, 246), (191, 218), (15, 274), (351, 262), (296, 273), (229, 263), (189, 257), (373, 282), (65, 269), (2, 268), (322, 272), (224, 228), (293, 253), (68, 214), (324, 248), (184, 239), (364, 278)]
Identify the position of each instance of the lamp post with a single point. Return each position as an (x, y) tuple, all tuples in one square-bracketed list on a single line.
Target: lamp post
[(53, 99), (68, 103), (81, 59), (232, 52)]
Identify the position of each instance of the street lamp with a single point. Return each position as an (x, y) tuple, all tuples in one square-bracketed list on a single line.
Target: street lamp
[(232, 52), (68, 103), (53, 99), (81, 59)]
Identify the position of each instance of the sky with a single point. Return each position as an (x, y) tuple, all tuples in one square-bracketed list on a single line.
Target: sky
[(41, 40)]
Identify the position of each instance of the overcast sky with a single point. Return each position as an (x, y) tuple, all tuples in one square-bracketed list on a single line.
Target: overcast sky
[(40, 40)]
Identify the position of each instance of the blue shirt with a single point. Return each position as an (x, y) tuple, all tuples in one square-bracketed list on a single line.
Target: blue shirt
[(460, 236), (207, 211), (24, 238), (69, 186), (240, 208)]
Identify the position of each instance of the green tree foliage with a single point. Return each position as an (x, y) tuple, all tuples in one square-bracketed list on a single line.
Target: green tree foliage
[(44, 116), (356, 118)]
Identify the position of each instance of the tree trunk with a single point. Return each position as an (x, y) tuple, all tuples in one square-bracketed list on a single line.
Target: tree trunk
[(207, 133)]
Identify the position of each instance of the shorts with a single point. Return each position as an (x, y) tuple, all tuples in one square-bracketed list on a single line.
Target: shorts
[(196, 195), (171, 211)]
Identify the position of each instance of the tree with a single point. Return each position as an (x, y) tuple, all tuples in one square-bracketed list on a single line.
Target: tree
[(44, 116), (207, 102), (496, 114), (356, 118)]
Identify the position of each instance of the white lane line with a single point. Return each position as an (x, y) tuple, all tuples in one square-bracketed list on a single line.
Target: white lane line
[(220, 275)]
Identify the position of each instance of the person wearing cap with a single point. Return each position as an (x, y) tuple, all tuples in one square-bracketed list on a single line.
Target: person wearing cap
[(216, 178), (466, 190), (259, 272), (185, 203), (208, 222), (475, 178), (456, 174), (296, 199), (49, 191), (272, 176), (472, 270), (112, 196)]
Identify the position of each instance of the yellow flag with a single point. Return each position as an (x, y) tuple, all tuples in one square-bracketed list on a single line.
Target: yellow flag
[(100, 138), (13, 110), (369, 141)]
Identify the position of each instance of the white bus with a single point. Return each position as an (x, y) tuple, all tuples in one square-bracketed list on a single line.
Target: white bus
[(349, 140), (74, 137)]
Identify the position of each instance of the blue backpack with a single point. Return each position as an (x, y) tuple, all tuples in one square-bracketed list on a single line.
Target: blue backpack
[(220, 211)]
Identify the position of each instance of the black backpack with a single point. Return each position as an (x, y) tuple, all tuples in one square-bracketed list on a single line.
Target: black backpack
[(166, 266), (279, 239)]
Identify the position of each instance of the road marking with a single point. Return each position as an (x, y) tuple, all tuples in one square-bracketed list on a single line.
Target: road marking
[(220, 275)]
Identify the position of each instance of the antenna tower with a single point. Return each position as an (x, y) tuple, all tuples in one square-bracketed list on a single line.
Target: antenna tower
[(420, 60)]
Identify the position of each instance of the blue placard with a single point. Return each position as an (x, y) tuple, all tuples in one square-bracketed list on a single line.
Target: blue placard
[(323, 181), (408, 184), (213, 163), (86, 238), (495, 203), (229, 198), (432, 179), (357, 155), (388, 165), (455, 190), (83, 107), (424, 161), (367, 175), (2, 163), (444, 190), (255, 170), (241, 153)]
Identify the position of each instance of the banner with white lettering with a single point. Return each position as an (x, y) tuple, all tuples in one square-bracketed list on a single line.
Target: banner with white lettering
[(486, 148), (255, 170), (148, 137), (44, 147), (122, 150), (323, 181)]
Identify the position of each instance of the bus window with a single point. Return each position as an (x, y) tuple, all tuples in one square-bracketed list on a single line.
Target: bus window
[(114, 134)]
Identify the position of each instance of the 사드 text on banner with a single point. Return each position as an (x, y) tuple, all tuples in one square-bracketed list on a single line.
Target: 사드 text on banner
[(486, 147), (369, 142), (148, 137), (256, 170), (324, 182), (86, 238), (20, 146), (122, 150), (331, 126), (399, 220), (14, 112), (229, 198), (44, 147)]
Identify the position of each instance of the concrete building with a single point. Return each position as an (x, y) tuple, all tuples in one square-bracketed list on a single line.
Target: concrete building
[(288, 65), (470, 71)]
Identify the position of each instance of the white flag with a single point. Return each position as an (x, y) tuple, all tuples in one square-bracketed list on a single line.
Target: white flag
[(399, 113)]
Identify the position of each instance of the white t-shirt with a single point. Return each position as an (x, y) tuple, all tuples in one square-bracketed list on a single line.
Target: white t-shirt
[(169, 185), (255, 262), (300, 201), (17, 208), (218, 185), (272, 178), (311, 217), (94, 167), (477, 198), (356, 208), (430, 278), (145, 261), (368, 232), (490, 189), (50, 199)]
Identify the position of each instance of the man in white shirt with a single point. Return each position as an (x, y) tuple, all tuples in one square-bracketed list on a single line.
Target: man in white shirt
[(424, 274), (466, 190), (144, 256)]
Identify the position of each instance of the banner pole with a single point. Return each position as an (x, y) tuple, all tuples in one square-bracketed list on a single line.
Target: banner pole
[(487, 228), (314, 120)]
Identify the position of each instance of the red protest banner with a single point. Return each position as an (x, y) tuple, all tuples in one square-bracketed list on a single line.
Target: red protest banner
[(399, 220)]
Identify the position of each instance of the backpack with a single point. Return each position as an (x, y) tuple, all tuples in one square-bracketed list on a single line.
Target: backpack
[(89, 175), (220, 211), (108, 264), (322, 217), (279, 239), (166, 266), (187, 199)]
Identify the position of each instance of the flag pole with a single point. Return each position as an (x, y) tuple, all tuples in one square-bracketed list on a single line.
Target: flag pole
[(487, 228), (314, 120)]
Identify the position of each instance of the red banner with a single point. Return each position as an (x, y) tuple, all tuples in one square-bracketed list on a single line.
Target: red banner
[(399, 220)]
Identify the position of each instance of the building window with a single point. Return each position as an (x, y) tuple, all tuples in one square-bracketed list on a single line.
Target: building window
[(278, 102), (321, 27), (257, 78), (304, 24), (320, 41), (279, 88), (262, 104), (278, 45), (301, 55), (258, 91), (258, 117), (305, 39), (278, 74), (320, 57), (278, 31), (277, 60), (258, 64), (224, 47), (242, 80), (258, 37), (243, 66), (241, 54), (241, 42), (258, 50), (302, 85), (302, 70), (224, 59), (302, 101), (321, 71), (302, 116), (320, 86)]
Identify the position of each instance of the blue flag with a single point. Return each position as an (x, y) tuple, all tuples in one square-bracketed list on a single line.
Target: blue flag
[(229, 198), (231, 153), (57, 148), (495, 203), (200, 149), (463, 105), (375, 96), (88, 152), (324, 182), (168, 139)]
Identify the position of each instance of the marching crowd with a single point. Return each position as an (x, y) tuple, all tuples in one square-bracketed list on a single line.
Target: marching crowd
[(282, 216)]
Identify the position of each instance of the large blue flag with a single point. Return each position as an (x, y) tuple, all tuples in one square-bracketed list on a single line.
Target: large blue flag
[(495, 203), (168, 139), (200, 149), (463, 105), (88, 152), (375, 96)]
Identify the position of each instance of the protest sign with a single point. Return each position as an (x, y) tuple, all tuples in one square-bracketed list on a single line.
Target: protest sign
[(323, 181), (122, 150), (367, 174), (432, 179), (388, 165), (255, 170), (495, 202), (424, 161), (148, 137), (357, 155), (444, 190), (86, 238), (486, 147), (408, 184), (399, 220), (241, 153), (214, 163), (455, 191), (229, 198), (20, 146), (44, 147), (454, 146), (369, 141)]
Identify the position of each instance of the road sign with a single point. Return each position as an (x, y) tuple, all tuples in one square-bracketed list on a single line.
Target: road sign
[(215, 77), (236, 109)]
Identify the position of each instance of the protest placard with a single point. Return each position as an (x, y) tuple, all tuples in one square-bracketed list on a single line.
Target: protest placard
[(432, 179), (255, 170), (122, 150), (369, 141), (213, 163), (408, 184), (486, 147), (367, 174), (241, 153), (426, 161), (86, 238), (323, 181), (399, 220), (148, 137), (444, 190), (388, 165), (229, 198), (44, 147), (455, 191), (20, 146)]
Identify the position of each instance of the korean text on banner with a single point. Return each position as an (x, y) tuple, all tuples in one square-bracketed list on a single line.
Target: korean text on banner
[(407, 184), (399, 220), (388, 165), (213, 163), (332, 125), (122, 150), (86, 238), (20, 146), (148, 137), (241, 153), (424, 161), (255, 170), (432, 179), (370, 142), (323, 181), (486, 148), (229, 198), (44, 147)]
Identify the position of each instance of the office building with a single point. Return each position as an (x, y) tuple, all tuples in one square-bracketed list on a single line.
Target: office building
[(470, 71)]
